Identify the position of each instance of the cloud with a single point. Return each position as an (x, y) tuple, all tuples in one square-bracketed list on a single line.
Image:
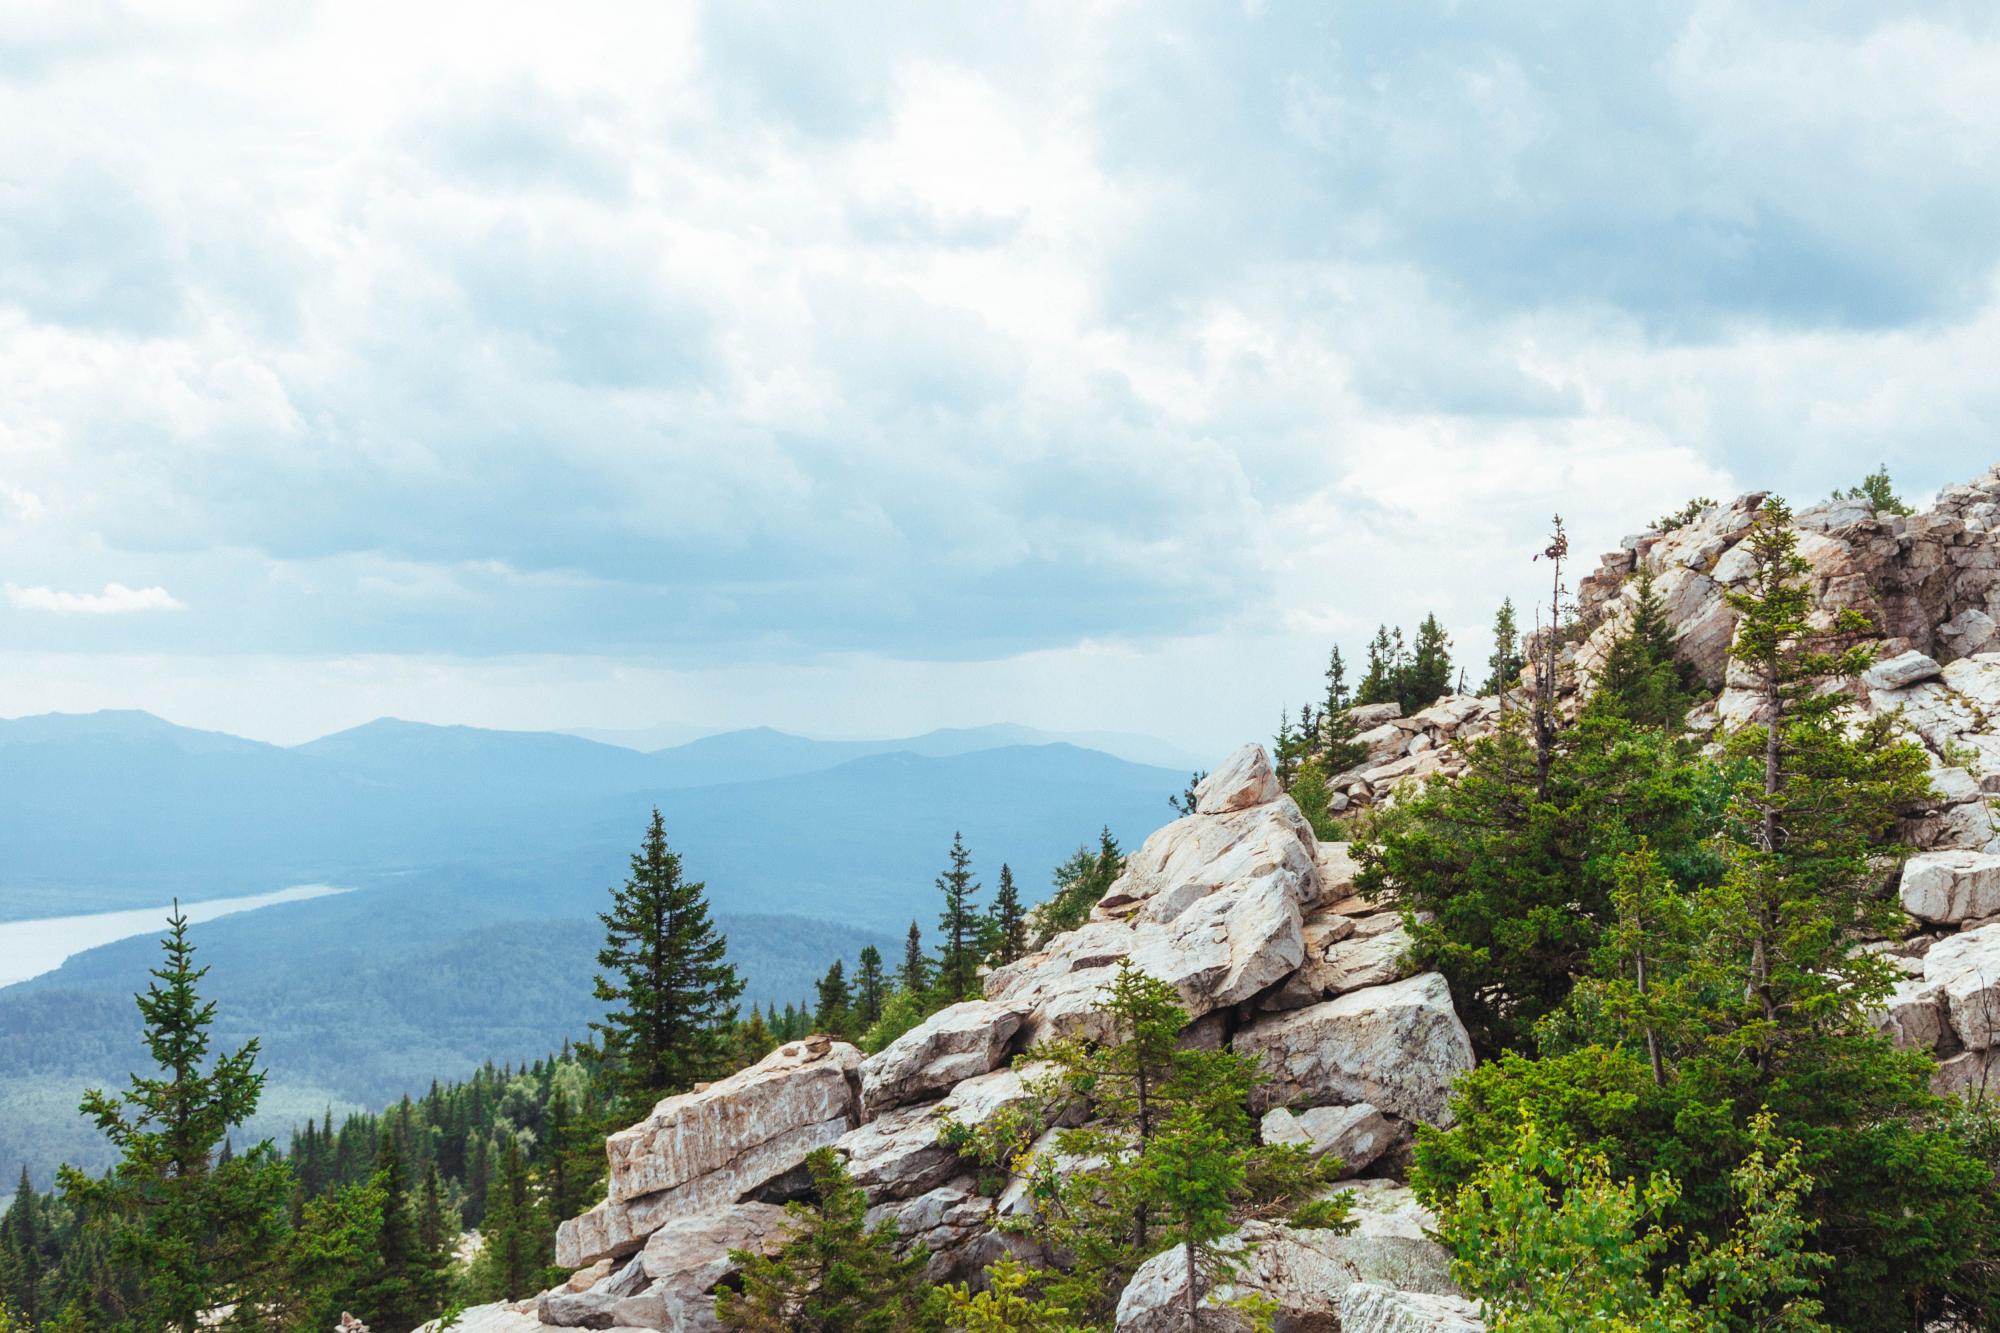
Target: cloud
[(730, 336), (115, 600)]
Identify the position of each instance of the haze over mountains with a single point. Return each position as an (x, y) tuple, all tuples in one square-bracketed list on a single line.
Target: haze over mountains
[(478, 860)]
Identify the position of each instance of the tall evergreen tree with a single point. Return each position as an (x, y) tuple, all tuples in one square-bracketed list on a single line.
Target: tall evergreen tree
[(870, 987), (668, 975), (518, 1239), (1503, 668), (957, 971), (914, 976), (437, 1237), (1338, 697), (23, 1252), (401, 1294), (1006, 922), (195, 1232)]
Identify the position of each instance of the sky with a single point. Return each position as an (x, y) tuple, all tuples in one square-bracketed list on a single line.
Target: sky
[(863, 369)]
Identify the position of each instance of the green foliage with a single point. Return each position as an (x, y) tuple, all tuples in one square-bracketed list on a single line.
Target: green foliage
[(955, 972), (1878, 491), (1182, 802), (1412, 676), (833, 1273), (1685, 515), (1167, 1157), (1079, 883), (518, 1235), (903, 1011), (1310, 791), (1007, 1305), (914, 976), (832, 1013), (1507, 892), (198, 1231), (870, 986), (1550, 1240)]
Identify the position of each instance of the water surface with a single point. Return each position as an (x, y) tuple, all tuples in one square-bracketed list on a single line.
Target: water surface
[(30, 948)]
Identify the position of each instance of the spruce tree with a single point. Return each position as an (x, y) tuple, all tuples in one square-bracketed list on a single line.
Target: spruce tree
[(1006, 922), (517, 1237), (437, 1239), (870, 987), (914, 976), (1428, 675), (1503, 668), (1378, 677), (1338, 699), (1642, 680), (668, 976), (831, 1015), (196, 1233), (833, 1273), (23, 1260), (400, 1295), (957, 971)]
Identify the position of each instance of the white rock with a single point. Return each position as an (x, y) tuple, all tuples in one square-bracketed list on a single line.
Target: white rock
[(1900, 672), (1970, 1074), (1364, 716), (1305, 1272), (1191, 858), (1356, 1135), (1369, 1307), (1951, 885), (701, 1150), (1398, 1047), (1969, 632), (957, 1042), (1914, 1015), (1242, 780), (1966, 967), (897, 1155)]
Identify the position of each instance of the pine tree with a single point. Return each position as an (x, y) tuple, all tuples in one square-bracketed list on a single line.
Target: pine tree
[(1428, 676), (835, 1000), (669, 976), (516, 1234), (914, 976), (1642, 680), (400, 1294), (23, 1260), (1378, 678), (834, 1273), (1503, 668), (957, 971), (870, 987), (1338, 700), (1006, 922), (1878, 491), (437, 1239), (754, 1041), (195, 1232)]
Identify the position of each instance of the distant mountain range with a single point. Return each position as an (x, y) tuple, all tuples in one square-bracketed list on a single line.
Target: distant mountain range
[(478, 861)]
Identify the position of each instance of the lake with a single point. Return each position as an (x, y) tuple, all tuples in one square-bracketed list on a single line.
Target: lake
[(30, 948)]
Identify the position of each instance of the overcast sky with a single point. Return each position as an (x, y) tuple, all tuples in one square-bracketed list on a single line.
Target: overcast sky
[(859, 369)]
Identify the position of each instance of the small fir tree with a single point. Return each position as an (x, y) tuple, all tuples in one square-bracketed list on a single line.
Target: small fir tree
[(870, 986), (1503, 668), (830, 1014), (914, 976), (834, 1273), (1006, 922), (1878, 491), (956, 974), (1428, 676)]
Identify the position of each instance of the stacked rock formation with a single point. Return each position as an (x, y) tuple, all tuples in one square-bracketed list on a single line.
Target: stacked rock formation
[(1253, 923)]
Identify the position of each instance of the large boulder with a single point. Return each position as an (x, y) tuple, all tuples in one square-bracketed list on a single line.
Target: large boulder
[(1198, 855), (1951, 886), (1242, 780), (957, 1042), (591, 1307), (1304, 1271), (1965, 968), (1900, 672), (703, 1150), (1369, 1307), (1398, 1047), (1355, 1135), (898, 1156)]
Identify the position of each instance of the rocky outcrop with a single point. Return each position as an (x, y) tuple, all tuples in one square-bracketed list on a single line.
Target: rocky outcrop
[(1368, 1307), (957, 1042), (1951, 886), (705, 1150), (1354, 1135), (1398, 1047), (1306, 1272)]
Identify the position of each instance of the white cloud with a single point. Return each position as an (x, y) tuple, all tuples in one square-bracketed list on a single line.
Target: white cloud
[(115, 600)]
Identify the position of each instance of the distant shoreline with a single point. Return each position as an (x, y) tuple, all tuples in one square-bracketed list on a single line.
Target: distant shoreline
[(37, 946)]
